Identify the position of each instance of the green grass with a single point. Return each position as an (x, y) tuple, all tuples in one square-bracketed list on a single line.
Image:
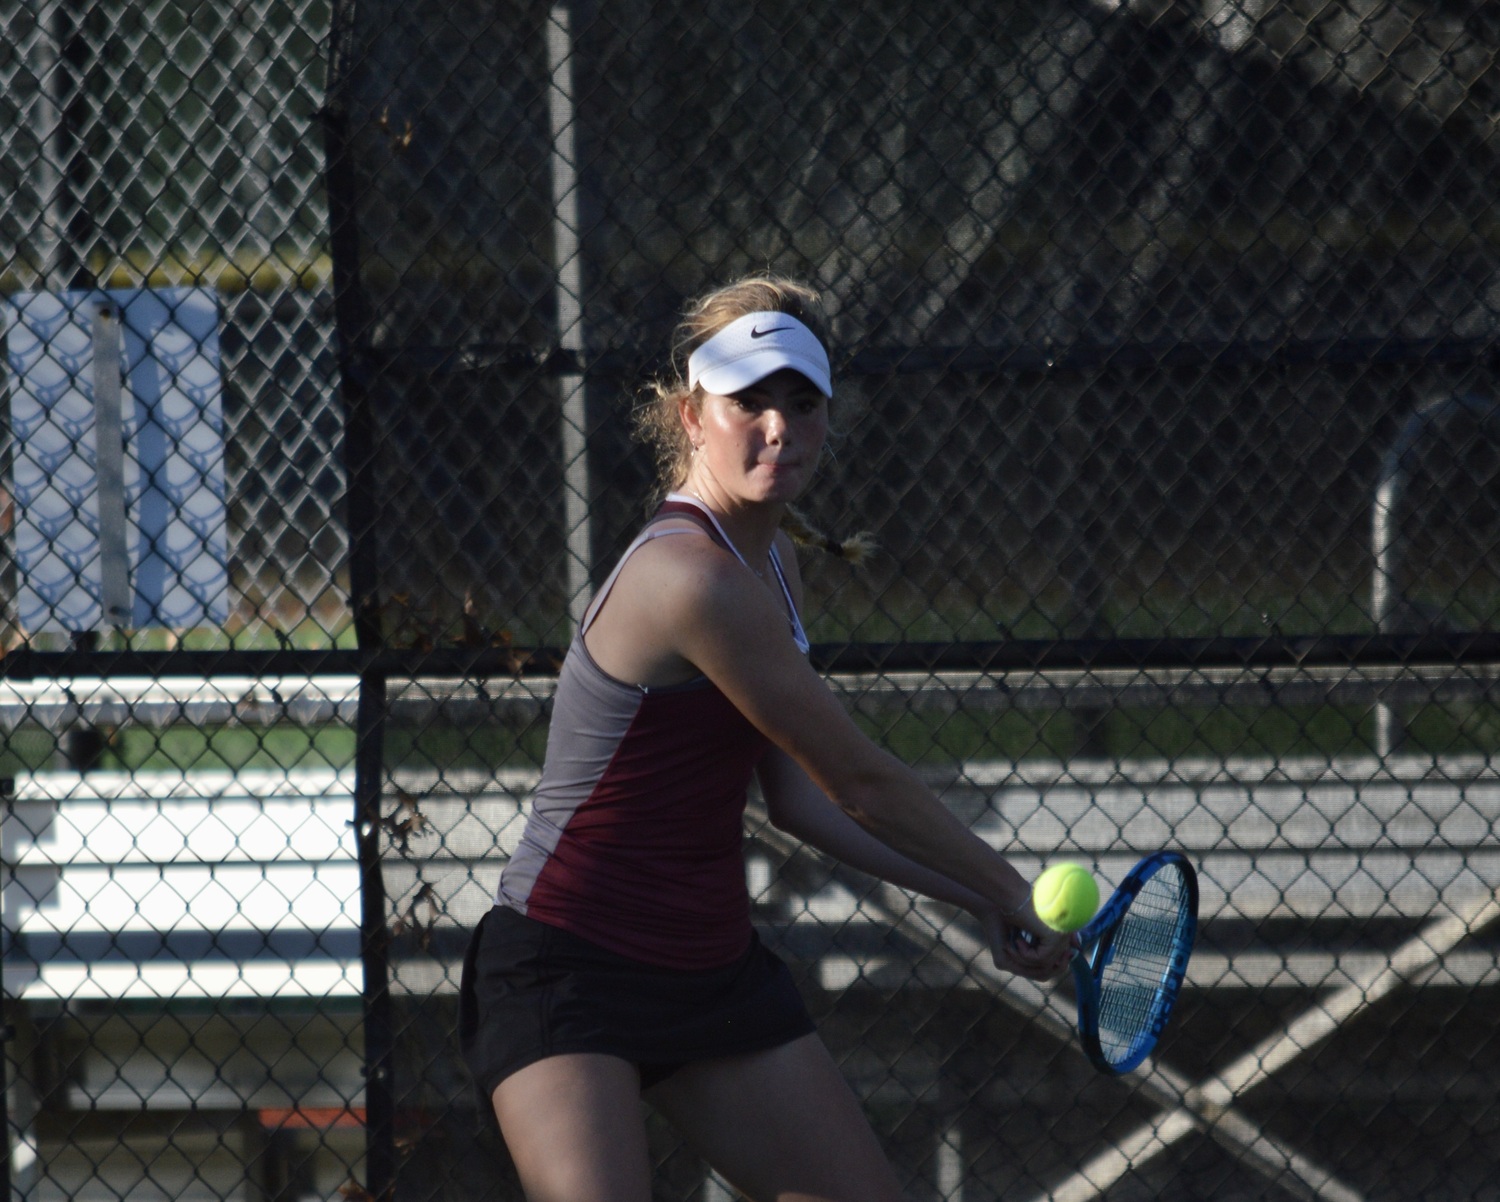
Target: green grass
[(32, 748), (486, 747), (307, 635), (234, 748), (1175, 733), (846, 609), (918, 735)]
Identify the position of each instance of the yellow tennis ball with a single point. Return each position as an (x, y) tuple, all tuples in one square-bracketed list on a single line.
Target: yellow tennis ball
[(1065, 897)]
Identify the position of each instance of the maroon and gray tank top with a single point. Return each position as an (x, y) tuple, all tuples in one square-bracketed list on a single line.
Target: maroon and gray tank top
[(634, 836)]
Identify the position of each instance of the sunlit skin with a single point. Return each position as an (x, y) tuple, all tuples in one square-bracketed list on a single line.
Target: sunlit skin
[(756, 452)]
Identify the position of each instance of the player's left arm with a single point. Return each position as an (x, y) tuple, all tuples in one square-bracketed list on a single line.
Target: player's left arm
[(798, 807)]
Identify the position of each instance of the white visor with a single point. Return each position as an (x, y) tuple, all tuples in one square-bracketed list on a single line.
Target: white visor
[(752, 347)]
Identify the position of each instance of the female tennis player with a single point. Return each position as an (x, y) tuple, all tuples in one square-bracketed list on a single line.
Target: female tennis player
[(619, 961)]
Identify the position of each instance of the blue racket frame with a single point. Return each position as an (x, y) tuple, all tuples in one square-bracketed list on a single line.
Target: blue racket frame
[(1097, 948)]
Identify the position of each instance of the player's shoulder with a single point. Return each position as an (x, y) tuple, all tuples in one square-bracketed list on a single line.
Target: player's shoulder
[(683, 562)]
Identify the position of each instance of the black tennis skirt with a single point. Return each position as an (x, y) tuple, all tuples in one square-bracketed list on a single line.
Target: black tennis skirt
[(530, 991)]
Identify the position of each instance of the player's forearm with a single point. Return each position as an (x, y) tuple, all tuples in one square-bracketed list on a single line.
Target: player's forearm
[(895, 807), (826, 827)]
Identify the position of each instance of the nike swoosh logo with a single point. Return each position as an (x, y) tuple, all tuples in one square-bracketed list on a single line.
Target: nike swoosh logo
[(754, 333)]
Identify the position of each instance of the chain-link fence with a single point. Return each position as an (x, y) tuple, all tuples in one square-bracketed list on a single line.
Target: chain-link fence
[(1166, 344)]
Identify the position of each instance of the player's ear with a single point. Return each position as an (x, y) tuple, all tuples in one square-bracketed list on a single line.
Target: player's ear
[(689, 406)]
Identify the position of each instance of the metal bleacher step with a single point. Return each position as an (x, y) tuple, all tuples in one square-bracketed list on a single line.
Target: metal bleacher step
[(219, 883), (156, 885)]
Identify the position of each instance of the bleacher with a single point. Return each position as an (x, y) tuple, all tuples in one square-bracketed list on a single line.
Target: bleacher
[(174, 885), (163, 884), (1333, 881)]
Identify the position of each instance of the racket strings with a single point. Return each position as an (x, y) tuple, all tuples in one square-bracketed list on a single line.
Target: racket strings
[(1134, 984)]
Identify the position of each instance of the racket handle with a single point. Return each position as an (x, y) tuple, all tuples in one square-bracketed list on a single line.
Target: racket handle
[(1022, 935)]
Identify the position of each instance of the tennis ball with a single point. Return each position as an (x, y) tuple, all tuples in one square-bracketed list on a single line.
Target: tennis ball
[(1065, 897)]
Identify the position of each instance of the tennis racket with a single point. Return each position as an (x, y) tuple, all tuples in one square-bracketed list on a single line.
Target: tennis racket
[(1132, 957)]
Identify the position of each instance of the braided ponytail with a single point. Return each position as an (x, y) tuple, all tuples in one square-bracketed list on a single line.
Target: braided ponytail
[(855, 549)]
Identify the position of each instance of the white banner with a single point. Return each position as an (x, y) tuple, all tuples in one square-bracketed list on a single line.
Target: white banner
[(170, 431)]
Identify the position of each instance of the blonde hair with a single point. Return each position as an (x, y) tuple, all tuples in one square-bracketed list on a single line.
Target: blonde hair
[(658, 424)]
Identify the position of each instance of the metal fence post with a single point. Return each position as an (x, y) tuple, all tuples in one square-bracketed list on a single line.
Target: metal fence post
[(354, 316), (577, 499), (380, 1155), (1383, 591)]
